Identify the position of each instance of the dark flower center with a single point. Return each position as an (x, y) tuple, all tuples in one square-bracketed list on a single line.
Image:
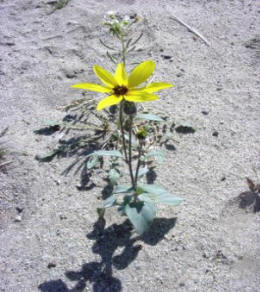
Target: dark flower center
[(120, 90)]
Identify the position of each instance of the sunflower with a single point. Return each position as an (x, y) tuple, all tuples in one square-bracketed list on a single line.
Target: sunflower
[(120, 87)]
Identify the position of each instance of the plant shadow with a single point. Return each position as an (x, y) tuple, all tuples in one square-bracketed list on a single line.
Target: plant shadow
[(249, 200), (107, 241)]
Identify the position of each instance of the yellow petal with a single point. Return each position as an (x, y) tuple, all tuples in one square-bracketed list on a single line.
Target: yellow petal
[(142, 97), (156, 86), (108, 101), (92, 87), (106, 77), (120, 74), (141, 73)]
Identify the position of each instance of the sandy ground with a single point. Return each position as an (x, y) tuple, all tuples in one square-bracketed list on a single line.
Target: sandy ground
[(50, 239)]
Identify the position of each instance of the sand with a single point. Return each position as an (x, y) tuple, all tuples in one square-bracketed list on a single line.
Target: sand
[(50, 239)]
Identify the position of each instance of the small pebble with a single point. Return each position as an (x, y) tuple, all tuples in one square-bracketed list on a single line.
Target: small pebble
[(19, 209), (205, 113), (166, 57), (215, 134), (18, 218), (179, 74), (51, 265)]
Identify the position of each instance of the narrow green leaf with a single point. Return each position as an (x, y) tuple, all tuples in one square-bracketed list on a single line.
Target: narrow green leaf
[(155, 153), (163, 198), (142, 171), (122, 189), (141, 215), (110, 201), (133, 140), (149, 117), (92, 162), (50, 123), (115, 153), (49, 156), (113, 176), (151, 188)]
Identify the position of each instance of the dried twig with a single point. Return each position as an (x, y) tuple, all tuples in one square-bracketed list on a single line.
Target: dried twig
[(191, 29), (5, 163)]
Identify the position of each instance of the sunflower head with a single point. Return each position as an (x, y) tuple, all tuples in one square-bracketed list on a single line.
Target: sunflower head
[(120, 86), (120, 90)]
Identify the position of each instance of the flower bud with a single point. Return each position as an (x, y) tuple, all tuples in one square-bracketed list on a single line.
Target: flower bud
[(129, 108), (141, 133)]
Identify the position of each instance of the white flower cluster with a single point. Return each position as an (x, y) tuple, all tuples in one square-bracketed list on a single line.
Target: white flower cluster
[(118, 24)]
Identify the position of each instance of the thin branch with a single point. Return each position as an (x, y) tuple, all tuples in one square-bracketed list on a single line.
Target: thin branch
[(137, 40), (191, 29), (131, 49), (111, 58), (105, 45)]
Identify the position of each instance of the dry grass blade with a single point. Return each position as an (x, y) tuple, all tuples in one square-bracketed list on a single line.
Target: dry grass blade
[(193, 30)]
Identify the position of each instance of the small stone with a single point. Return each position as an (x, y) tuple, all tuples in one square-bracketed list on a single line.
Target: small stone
[(219, 88), (182, 284), (205, 113), (62, 217), (18, 218), (223, 178), (51, 265), (166, 57), (57, 182), (215, 134), (19, 209), (185, 129), (70, 75), (10, 44)]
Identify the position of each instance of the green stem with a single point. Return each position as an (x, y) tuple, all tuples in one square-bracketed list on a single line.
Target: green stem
[(129, 157), (130, 154), (138, 164), (123, 50), (122, 130)]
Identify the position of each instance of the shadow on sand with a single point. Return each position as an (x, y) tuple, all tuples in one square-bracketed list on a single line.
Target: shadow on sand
[(106, 242)]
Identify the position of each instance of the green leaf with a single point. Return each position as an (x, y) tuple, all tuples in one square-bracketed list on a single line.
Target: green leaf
[(50, 123), (92, 162), (151, 188), (110, 201), (142, 171), (126, 200), (163, 198), (113, 176), (122, 189), (106, 153), (133, 140), (155, 153), (141, 215), (149, 117), (157, 194)]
